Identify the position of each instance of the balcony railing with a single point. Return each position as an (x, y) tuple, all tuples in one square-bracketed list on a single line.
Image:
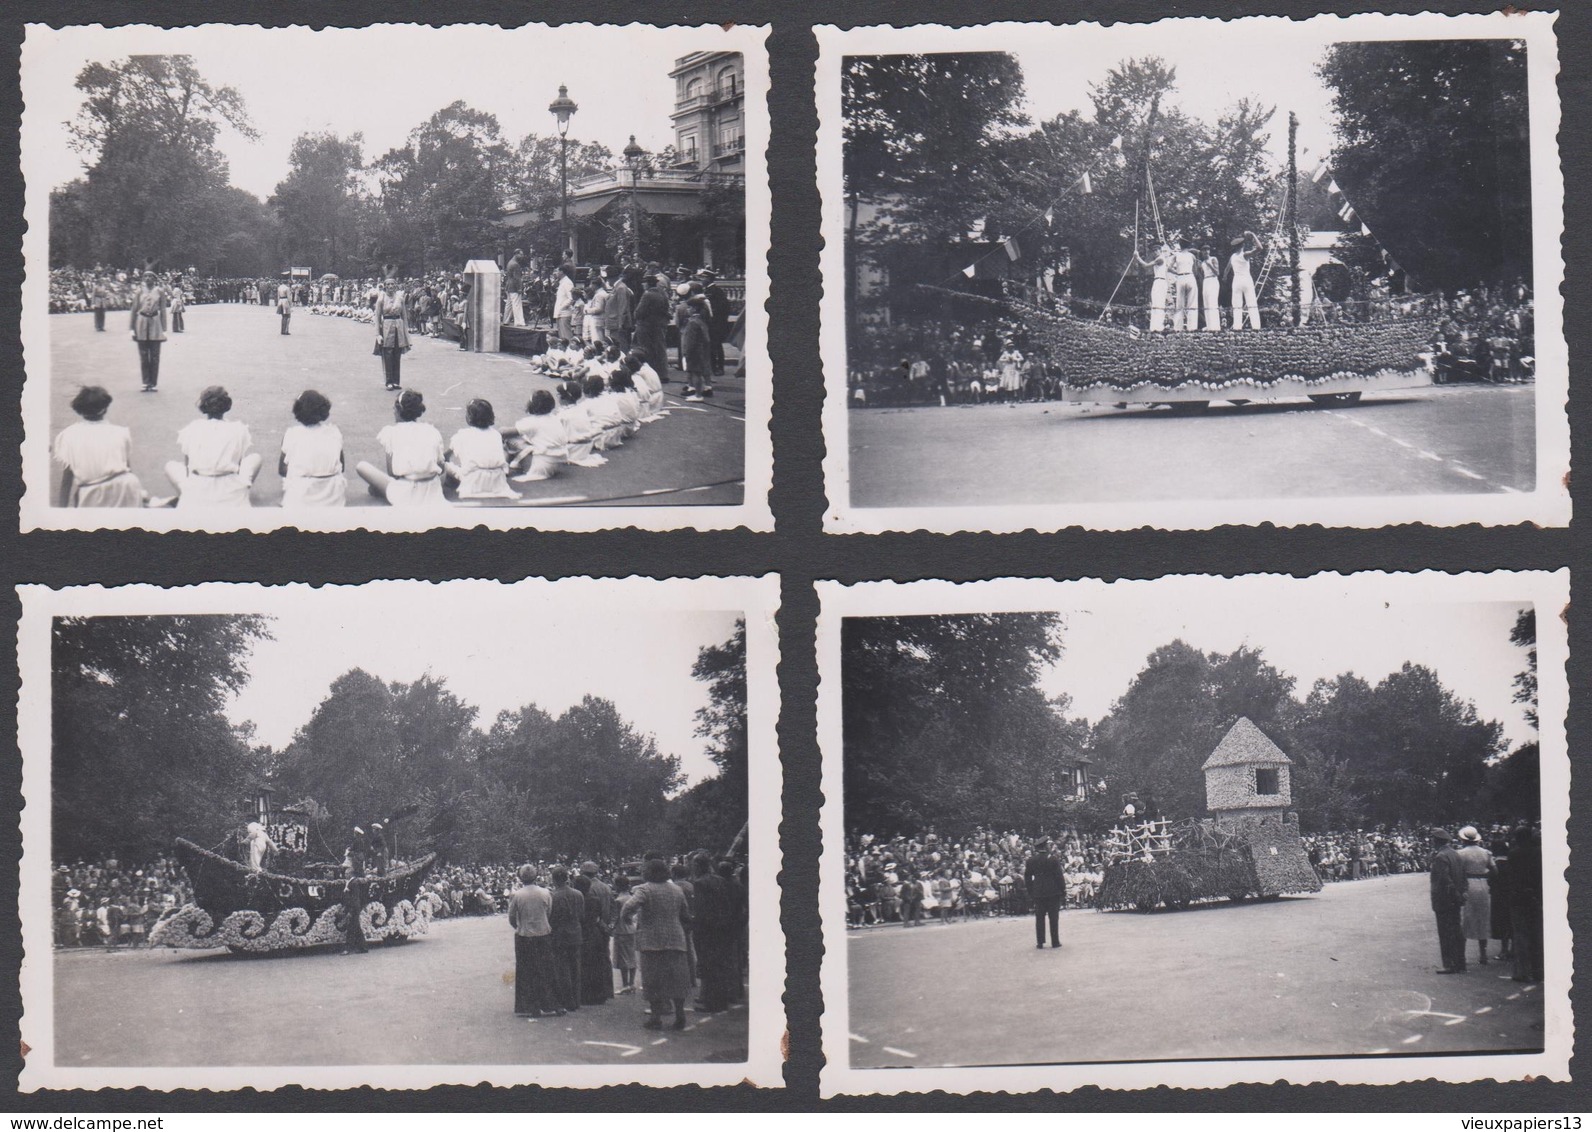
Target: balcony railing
[(729, 146), (712, 96)]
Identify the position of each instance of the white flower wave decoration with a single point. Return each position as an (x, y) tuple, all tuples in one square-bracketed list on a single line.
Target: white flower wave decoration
[(192, 927)]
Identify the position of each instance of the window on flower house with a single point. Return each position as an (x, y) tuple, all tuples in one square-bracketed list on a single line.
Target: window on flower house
[(1266, 781)]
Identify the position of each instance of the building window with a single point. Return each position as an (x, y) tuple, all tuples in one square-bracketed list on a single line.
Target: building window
[(688, 149), (727, 82), (1267, 781), (693, 89)]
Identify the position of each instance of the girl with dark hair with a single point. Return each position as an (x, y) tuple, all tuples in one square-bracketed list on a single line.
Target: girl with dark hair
[(476, 457), (217, 469), (392, 332), (413, 477), (660, 916), (311, 464), (624, 395), (544, 439), (649, 387), (581, 432), (97, 456), (605, 414)]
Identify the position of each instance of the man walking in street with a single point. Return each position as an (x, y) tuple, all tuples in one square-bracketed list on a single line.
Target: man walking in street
[(1047, 888), (529, 910), (1449, 888)]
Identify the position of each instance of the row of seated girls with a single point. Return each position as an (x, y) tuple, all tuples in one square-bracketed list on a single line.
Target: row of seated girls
[(219, 467)]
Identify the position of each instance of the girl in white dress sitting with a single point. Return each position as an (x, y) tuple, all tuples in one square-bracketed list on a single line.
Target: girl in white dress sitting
[(605, 414), (413, 477), (311, 464), (97, 456), (477, 459), (580, 431), (648, 385), (217, 469), (621, 389), (545, 444)]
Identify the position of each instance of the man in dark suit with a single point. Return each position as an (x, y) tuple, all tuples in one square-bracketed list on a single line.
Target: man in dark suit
[(564, 918), (1047, 889), (719, 316), (1449, 886)]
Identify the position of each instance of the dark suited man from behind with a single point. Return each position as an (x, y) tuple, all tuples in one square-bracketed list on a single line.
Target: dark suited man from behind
[(1047, 889), (356, 889), (1449, 886)]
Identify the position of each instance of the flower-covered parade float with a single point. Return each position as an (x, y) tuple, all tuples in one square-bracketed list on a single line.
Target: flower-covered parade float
[(1249, 847), (262, 901)]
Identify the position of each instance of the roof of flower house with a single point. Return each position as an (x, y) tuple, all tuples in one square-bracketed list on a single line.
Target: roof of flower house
[(1246, 745)]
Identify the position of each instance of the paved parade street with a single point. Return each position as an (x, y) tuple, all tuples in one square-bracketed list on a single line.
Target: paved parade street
[(444, 999), (693, 457), (1433, 441), (1349, 971)]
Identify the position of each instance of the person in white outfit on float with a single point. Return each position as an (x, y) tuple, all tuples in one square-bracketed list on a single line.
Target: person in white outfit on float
[(1161, 288), (1211, 289), (1245, 303), (1186, 312)]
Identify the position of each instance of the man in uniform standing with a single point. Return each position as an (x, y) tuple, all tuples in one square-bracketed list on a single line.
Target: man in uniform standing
[(149, 328), (100, 301), (284, 304), (652, 323), (514, 285), (719, 317), (1047, 888), (1449, 888)]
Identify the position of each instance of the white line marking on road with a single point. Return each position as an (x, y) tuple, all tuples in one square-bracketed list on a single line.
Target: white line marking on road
[(898, 1052), (859, 1038), (1514, 996), (1401, 443), (1412, 1039), (659, 1041), (657, 491), (1425, 455), (1384, 1049), (1485, 1010), (625, 1050), (1438, 1014), (1467, 472), (1379, 432), (1453, 1021)]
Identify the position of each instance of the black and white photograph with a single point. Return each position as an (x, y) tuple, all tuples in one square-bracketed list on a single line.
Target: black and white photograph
[(401, 834), (396, 277), (1194, 831), (1193, 272)]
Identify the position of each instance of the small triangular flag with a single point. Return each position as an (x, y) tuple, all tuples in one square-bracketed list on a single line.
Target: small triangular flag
[(1116, 143), (969, 269), (1012, 250), (1364, 231), (1050, 216), (1088, 185), (1346, 212), (1332, 186), (1321, 169)]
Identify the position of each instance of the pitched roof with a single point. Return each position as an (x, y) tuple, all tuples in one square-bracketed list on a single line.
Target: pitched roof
[(1246, 745)]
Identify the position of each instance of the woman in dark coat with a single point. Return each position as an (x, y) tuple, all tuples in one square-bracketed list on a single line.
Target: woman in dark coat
[(696, 348), (596, 974)]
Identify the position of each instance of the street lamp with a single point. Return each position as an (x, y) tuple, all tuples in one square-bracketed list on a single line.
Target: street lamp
[(634, 157), (563, 108)]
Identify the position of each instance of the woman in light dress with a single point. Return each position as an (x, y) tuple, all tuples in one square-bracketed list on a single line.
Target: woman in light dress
[(1475, 920), (545, 442), (414, 457), (217, 468), (311, 464), (1011, 363), (97, 456), (476, 457), (581, 431)]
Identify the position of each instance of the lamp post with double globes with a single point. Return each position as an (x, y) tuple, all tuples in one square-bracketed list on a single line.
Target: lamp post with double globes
[(635, 158), (563, 108)]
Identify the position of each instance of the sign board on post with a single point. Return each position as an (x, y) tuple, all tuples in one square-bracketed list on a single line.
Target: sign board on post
[(486, 304)]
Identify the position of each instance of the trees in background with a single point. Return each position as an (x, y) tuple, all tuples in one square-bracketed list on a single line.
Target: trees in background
[(711, 813), (141, 749), (155, 187), (945, 723), (325, 217), (1434, 151)]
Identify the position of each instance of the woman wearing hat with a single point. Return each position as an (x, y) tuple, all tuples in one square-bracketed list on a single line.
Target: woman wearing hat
[(696, 346), (1476, 918), (149, 328)]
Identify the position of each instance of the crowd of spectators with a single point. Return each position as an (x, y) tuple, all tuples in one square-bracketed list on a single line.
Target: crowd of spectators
[(111, 904), (929, 877)]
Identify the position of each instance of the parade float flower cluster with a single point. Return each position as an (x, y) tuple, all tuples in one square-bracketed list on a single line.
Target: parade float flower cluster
[(1085, 353)]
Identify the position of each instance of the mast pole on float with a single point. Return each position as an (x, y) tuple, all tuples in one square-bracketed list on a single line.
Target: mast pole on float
[(1293, 216)]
